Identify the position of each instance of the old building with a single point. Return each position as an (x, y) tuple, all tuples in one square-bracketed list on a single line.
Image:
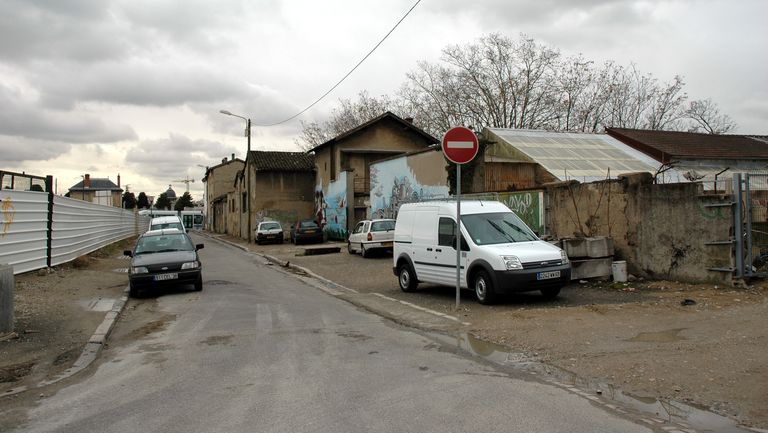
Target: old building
[(343, 183), (219, 181), (277, 186), (98, 190)]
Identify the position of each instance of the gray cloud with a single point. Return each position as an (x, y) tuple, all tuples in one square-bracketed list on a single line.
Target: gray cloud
[(22, 117), (19, 149)]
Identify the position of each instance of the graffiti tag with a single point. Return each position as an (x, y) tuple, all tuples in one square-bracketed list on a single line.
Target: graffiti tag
[(8, 213)]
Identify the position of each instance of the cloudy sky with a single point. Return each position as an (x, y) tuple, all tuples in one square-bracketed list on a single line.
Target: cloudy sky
[(135, 86)]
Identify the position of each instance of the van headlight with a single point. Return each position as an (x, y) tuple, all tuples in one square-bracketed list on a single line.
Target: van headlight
[(512, 263), (139, 270), (563, 257), (190, 265)]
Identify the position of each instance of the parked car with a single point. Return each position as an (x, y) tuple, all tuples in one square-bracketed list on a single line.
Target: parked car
[(369, 235), (162, 258), (269, 231), (306, 231), (502, 254), (167, 222)]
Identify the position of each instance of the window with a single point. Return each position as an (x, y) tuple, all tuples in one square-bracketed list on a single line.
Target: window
[(497, 228), (446, 232), (358, 228), (244, 202)]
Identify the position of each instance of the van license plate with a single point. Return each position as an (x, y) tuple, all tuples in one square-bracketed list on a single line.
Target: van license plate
[(163, 277), (547, 275)]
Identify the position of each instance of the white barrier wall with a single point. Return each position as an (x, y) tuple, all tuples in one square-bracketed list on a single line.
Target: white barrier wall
[(23, 229), (77, 228), (81, 227)]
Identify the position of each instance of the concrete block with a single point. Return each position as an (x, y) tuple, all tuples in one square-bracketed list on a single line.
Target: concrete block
[(313, 251), (599, 247), (591, 268), (6, 298), (575, 247)]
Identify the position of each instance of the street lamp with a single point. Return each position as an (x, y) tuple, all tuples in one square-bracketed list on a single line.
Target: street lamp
[(206, 205), (247, 170)]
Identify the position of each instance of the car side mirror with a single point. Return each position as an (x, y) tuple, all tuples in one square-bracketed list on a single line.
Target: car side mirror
[(128, 253), (199, 247)]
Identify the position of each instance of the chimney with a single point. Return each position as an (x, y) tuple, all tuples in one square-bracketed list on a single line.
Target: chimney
[(118, 180), (223, 160), (233, 157), (409, 119), (87, 181)]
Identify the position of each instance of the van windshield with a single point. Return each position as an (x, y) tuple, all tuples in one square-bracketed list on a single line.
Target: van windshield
[(496, 228)]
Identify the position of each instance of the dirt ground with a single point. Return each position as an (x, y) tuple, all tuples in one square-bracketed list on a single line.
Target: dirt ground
[(637, 338)]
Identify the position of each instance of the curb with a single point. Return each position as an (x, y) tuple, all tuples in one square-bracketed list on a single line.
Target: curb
[(90, 352)]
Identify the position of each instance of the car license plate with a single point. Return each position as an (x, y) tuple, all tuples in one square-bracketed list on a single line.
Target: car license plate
[(547, 275), (164, 277), (309, 231)]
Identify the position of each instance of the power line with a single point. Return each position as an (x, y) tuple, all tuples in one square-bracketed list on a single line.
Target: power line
[(348, 73)]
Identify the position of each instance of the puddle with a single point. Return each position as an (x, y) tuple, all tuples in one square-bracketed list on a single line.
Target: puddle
[(97, 304), (667, 336), (668, 410)]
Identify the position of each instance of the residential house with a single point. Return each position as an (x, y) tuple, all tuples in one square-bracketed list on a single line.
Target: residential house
[(219, 182), (98, 190), (343, 184), (273, 186)]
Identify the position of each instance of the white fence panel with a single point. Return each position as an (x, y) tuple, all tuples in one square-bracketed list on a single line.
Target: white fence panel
[(81, 227), (23, 229)]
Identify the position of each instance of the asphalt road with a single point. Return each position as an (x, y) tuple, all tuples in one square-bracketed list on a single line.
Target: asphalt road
[(259, 350)]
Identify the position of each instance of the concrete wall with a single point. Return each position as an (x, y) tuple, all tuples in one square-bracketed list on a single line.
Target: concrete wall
[(660, 230), (220, 181)]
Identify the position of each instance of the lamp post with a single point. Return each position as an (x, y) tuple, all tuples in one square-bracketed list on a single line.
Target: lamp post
[(247, 170), (206, 205)]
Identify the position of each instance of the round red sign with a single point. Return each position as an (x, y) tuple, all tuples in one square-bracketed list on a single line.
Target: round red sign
[(460, 145)]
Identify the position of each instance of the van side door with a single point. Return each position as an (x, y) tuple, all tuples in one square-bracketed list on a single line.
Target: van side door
[(423, 244), (445, 252)]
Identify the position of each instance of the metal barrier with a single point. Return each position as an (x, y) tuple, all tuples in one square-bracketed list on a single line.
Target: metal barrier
[(39, 229)]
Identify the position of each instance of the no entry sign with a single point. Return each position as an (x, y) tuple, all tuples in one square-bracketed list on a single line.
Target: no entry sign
[(460, 145)]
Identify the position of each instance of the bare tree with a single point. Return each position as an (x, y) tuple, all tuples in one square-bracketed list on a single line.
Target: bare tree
[(706, 117)]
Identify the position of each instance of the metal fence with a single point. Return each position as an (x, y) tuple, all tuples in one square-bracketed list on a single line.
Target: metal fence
[(40, 229)]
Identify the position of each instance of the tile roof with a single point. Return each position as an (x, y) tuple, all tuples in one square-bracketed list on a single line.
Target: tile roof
[(282, 161), (388, 115), (665, 146), (96, 185)]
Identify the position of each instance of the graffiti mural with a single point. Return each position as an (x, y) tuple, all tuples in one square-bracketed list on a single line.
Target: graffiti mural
[(331, 207), (394, 183), (528, 206)]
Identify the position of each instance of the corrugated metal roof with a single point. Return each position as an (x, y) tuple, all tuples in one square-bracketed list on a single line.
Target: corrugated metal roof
[(584, 157), (667, 145), (282, 161)]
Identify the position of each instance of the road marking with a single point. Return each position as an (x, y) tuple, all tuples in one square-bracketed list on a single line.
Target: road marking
[(426, 310)]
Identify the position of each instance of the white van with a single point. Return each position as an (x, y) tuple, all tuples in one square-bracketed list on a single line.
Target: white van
[(500, 254), (167, 222)]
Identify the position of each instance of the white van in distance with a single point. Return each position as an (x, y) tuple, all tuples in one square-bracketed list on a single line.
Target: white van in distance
[(500, 254)]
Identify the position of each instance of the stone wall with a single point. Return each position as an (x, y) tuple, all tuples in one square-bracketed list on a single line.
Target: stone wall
[(661, 230)]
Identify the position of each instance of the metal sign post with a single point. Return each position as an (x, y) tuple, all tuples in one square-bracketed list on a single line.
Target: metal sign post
[(460, 146)]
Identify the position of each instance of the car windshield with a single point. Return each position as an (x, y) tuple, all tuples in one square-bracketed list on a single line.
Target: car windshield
[(160, 226), (270, 226), (497, 228), (163, 243), (383, 226), (308, 224)]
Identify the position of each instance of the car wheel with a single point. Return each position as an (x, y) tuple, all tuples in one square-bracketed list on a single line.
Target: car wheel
[(199, 284), (407, 278), (550, 293), (484, 289), (133, 292), (349, 248), (363, 251)]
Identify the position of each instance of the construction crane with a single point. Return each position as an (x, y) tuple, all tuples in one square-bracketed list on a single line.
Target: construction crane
[(186, 180)]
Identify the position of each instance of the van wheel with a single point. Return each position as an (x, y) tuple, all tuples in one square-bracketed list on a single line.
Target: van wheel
[(407, 278), (349, 248), (484, 291), (550, 293)]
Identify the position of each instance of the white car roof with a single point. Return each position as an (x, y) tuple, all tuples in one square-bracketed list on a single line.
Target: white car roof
[(165, 219)]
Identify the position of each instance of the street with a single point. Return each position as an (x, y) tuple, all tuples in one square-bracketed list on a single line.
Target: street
[(259, 350)]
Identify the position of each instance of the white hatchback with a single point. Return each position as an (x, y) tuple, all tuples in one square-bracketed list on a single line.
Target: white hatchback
[(371, 235)]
